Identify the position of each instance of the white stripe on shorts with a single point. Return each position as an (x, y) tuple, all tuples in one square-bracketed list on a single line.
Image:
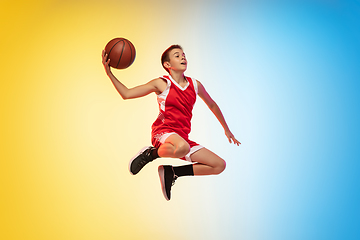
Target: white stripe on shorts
[(192, 150), (165, 136)]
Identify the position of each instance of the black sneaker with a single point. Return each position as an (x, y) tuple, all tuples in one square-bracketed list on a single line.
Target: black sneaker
[(140, 160), (167, 179)]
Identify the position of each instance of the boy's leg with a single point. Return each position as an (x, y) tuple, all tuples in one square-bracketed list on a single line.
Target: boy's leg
[(207, 162), (174, 147)]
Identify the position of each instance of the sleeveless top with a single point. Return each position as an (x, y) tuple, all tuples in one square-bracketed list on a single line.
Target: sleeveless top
[(175, 105)]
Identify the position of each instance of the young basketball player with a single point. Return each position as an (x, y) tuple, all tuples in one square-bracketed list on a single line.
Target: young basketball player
[(176, 95)]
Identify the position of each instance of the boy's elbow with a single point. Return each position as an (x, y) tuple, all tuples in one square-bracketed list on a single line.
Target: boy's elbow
[(124, 96)]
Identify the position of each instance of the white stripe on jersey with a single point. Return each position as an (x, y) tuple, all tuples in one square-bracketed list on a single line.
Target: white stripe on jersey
[(161, 98), (195, 85)]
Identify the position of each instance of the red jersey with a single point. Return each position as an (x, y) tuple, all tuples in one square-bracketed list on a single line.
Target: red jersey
[(175, 104)]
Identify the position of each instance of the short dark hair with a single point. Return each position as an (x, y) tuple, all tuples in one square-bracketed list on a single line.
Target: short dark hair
[(165, 56)]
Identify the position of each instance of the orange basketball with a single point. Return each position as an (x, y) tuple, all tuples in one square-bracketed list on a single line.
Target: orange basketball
[(121, 53)]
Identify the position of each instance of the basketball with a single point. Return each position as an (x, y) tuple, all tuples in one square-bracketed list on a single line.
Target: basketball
[(121, 53)]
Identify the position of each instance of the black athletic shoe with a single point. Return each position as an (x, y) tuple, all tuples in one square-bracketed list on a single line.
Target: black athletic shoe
[(167, 179), (140, 160)]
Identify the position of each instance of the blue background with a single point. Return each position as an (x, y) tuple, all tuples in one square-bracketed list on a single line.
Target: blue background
[(291, 72)]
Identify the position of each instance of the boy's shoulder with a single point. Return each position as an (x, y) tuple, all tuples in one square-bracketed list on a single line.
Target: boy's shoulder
[(159, 83)]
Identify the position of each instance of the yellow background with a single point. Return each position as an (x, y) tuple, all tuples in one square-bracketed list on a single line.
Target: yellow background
[(66, 135)]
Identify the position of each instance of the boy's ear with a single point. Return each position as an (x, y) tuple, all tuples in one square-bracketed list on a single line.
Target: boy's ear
[(167, 65)]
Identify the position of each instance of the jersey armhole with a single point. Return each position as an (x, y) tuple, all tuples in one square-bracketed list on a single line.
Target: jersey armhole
[(167, 89), (195, 85)]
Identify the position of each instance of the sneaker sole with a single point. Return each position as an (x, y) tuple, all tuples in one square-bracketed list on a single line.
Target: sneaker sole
[(162, 181), (142, 150)]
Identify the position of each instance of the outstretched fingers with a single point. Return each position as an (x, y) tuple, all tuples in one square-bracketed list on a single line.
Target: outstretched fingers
[(232, 138), (105, 61), (235, 141)]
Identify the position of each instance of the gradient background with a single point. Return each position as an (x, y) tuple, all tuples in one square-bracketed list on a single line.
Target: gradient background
[(285, 74)]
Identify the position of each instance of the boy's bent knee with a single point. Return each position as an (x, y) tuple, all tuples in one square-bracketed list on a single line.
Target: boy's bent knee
[(182, 150), (220, 167)]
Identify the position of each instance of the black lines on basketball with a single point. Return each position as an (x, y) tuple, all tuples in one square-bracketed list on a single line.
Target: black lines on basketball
[(121, 53), (113, 46)]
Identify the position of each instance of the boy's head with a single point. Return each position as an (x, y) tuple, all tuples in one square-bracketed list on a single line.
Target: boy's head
[(165, 57)]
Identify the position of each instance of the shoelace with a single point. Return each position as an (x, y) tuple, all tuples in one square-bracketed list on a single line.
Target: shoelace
[(174, 179)]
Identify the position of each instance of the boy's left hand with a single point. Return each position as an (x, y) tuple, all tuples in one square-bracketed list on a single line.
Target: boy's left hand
[(106, 61), (232, 138)]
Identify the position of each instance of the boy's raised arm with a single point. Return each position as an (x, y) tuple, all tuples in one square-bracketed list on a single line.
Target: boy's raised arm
[(126, 93)]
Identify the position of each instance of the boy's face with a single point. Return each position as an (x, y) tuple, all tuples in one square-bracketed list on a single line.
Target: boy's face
[(177, 60)]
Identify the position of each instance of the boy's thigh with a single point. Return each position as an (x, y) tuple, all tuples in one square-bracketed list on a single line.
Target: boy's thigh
[(176, 140), (207, 157)]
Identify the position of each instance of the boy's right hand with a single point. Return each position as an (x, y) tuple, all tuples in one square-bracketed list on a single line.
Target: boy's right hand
[(106, 61)]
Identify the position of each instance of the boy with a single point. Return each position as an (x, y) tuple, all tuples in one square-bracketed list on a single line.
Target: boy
[(176, 95)]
